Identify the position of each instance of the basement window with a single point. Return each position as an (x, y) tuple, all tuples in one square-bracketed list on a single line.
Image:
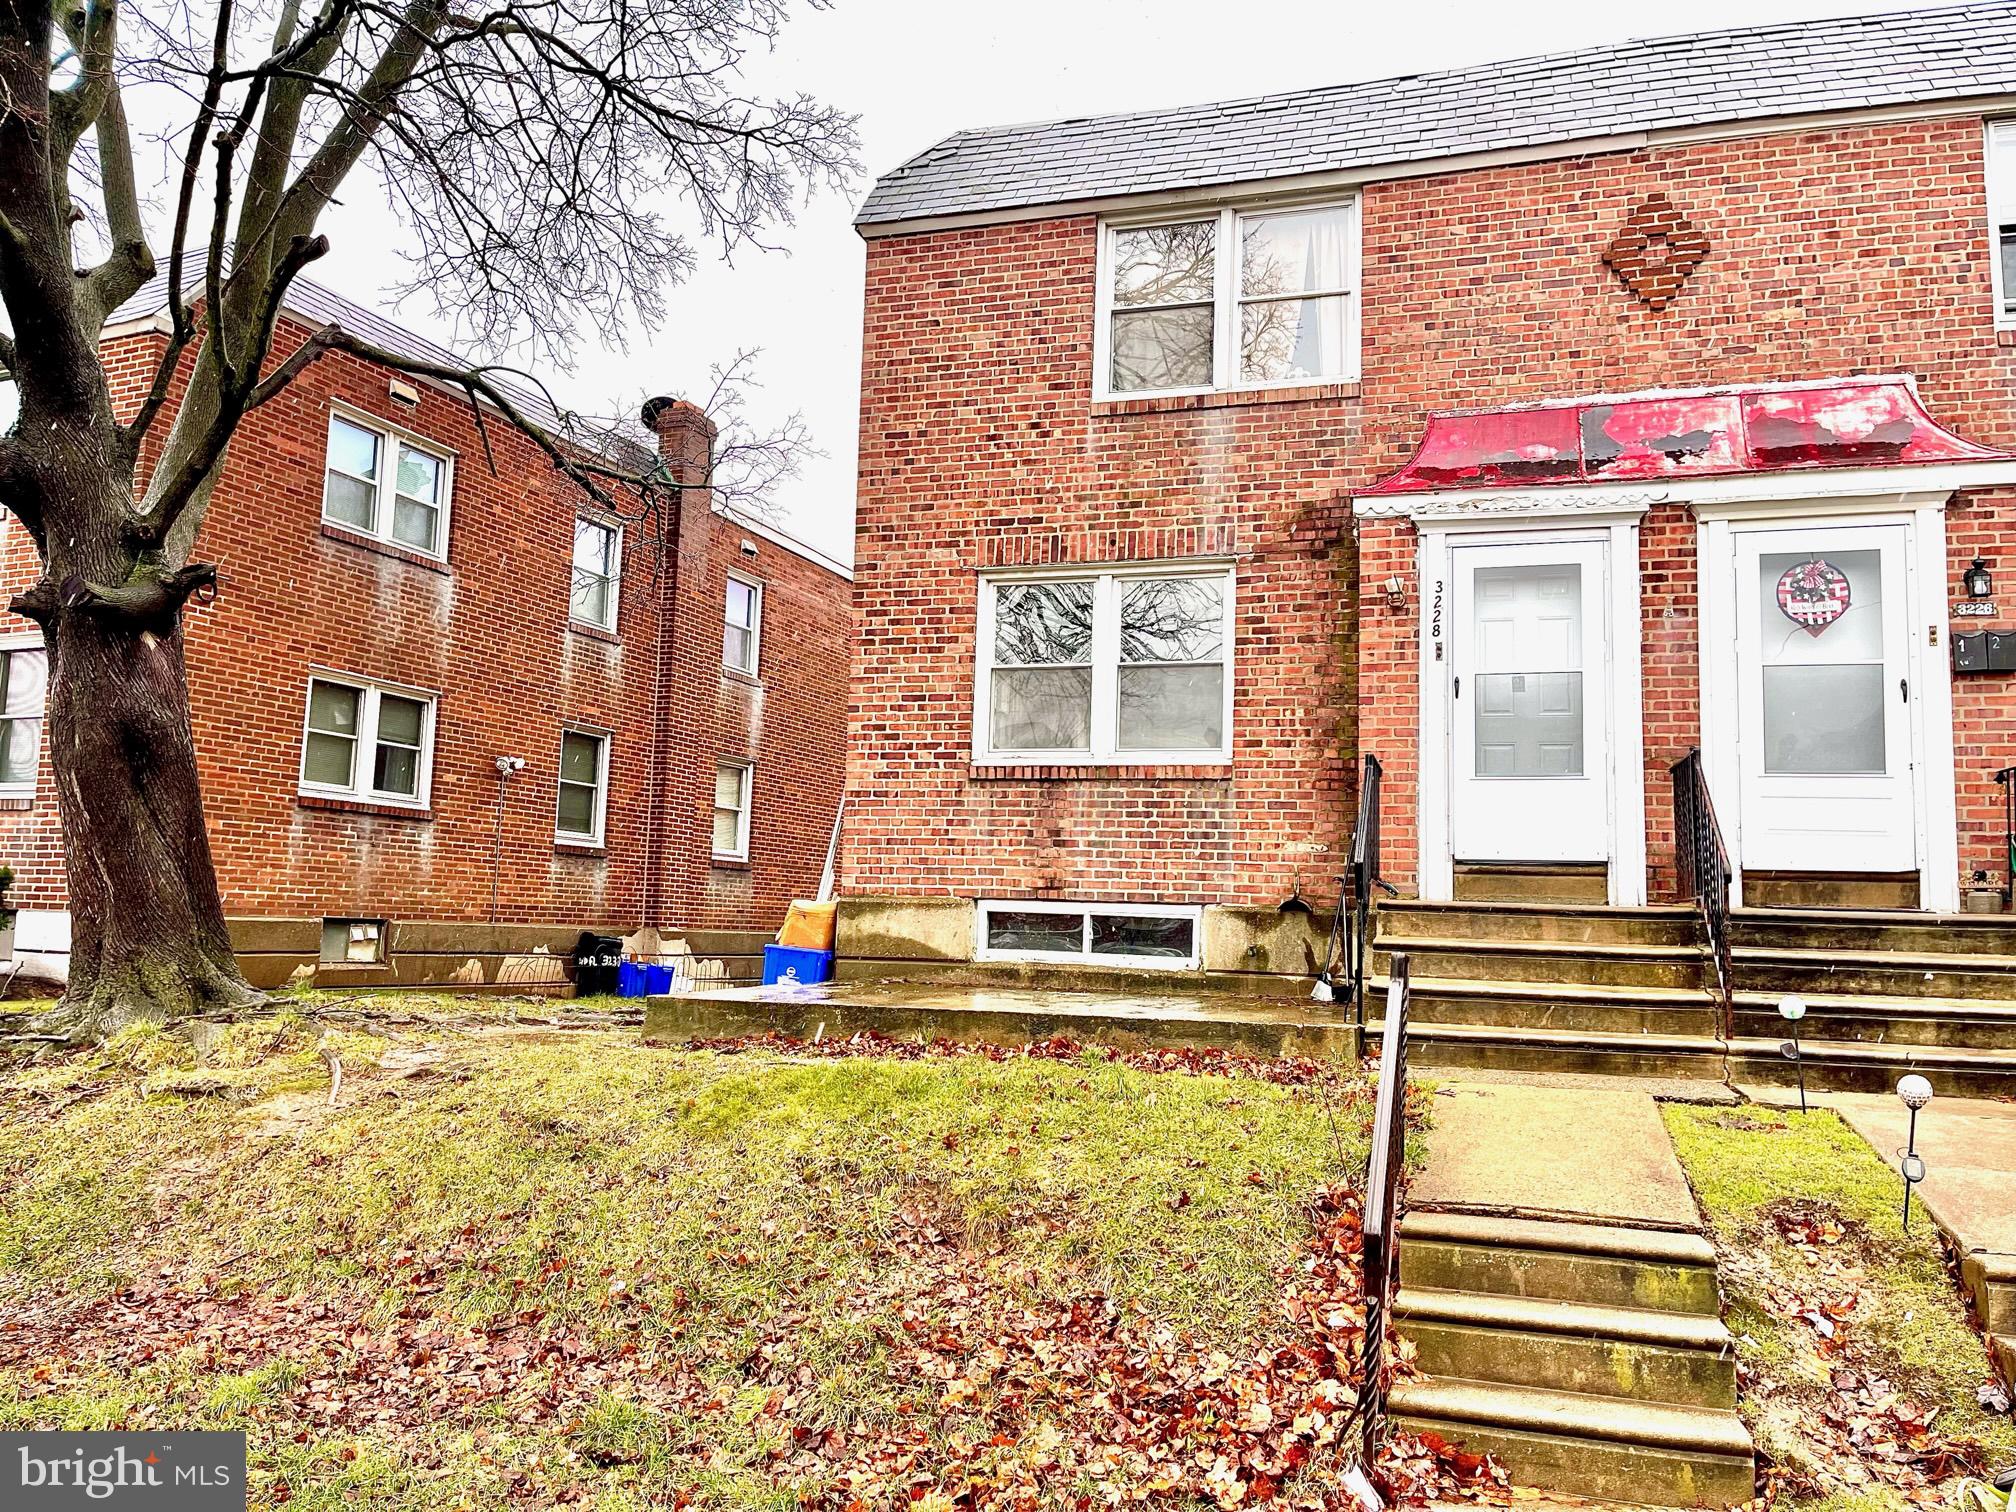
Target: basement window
[(1100, 934), (353, 942)]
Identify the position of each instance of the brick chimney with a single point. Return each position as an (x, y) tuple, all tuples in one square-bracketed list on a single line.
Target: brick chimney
[(685, 437)]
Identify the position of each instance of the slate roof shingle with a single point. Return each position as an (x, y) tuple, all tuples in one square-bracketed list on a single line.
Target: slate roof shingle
[(1755, 73)]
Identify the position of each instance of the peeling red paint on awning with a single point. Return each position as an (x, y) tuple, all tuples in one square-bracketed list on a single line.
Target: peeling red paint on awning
[(1840, 422)]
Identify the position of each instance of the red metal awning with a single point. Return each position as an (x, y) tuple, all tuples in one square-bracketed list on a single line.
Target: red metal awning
[(1836, 422)]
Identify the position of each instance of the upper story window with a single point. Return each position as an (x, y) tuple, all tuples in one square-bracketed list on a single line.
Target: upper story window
[(1127, 665), (383, 484), (1232, 300), (2002, 217), (742, 627), (598, 572), (368, 742), (584, 787), (24, 686)]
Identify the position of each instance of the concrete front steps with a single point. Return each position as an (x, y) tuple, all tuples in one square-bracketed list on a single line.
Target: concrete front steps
[(1589, 988), (1991, 1281), (1591, 1360)]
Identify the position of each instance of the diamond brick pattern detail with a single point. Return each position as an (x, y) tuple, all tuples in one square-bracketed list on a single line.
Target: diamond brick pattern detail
[(1657, 251)]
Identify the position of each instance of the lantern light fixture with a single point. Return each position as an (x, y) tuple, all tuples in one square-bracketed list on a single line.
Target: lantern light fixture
[(1978, 580)]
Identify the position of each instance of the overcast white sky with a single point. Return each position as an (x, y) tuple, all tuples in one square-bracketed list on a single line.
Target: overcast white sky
[(917, 70)]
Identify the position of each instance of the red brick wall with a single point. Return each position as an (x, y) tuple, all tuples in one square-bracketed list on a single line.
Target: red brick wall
[(1837, 252), (489, 634)]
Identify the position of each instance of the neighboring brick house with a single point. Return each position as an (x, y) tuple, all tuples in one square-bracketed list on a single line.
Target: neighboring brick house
[(1155, 540), (397, 614)]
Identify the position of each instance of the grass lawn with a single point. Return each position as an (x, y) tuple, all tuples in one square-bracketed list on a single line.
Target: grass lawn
[(516, 1267), (1859, 1365)]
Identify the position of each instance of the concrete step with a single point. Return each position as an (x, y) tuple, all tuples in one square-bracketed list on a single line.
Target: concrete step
[(1558, 1005), (1990, 1279), (1867, 930), (1574, 923), (1961, 1023), (1649, 1453), (1569, 1262), (1840, 1065), (1586, 964), (1648, 1356), (1875, 973), (2003, 1348)]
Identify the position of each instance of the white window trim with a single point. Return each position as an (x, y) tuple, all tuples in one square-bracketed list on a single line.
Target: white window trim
[(987, 907), (577, 837), (390, 437), (359, 790), (741, 851), (1105, 670), (27, 641), (1999, 149), (615, 579), (755, 667), (1225, 300)]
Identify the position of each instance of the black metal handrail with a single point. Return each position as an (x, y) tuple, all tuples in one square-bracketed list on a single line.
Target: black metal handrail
[(1362, 880), (2007, 778), (1703, 864), (1382, 1207)]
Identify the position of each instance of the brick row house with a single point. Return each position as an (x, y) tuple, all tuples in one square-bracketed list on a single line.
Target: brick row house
[(1526, 427), (449, 711)]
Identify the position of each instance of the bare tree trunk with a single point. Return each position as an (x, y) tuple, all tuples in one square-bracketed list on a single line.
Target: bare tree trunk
[(148, 935)]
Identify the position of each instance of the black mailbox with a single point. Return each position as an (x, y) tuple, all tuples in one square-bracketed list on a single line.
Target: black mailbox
[(2002, 650), (1970, 652)]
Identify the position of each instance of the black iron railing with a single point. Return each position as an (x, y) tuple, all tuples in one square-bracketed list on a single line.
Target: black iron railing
[(1382, 1208), (1703, 861), (2007, 778), (1362, 880)]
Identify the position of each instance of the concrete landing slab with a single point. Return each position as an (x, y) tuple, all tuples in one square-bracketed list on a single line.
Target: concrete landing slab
[(1592, 1154), (1006, 1016)]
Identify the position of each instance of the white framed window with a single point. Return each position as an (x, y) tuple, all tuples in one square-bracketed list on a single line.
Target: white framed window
[(367, 741), (732, 781), (742, 625), (583, 800), (1227, 300), (1127, 664), (2002, 219), (385, 484), (1104, 934), (24, 693), (598, 572)]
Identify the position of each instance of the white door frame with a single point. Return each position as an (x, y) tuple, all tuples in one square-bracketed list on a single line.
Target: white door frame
[(1931, 710), (1617, 528)]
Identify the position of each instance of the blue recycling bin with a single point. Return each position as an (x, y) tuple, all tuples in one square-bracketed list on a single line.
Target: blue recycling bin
[(805, 966), (630, 979), (657, 980)]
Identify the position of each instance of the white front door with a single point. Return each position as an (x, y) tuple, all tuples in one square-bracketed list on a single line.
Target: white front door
[(1530, 760), (1824, 699)]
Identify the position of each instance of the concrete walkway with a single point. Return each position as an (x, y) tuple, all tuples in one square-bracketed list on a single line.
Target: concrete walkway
[(1592, 1155)]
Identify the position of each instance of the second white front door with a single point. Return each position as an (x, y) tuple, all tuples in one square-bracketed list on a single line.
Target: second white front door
[(1825, 699), (1530, 725)]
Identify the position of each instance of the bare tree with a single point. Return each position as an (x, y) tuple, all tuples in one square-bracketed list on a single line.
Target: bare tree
[(526, 145)]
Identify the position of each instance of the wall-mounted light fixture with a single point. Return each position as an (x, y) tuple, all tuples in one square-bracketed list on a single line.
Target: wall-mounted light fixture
[(1396, 593), (1978, 580)]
